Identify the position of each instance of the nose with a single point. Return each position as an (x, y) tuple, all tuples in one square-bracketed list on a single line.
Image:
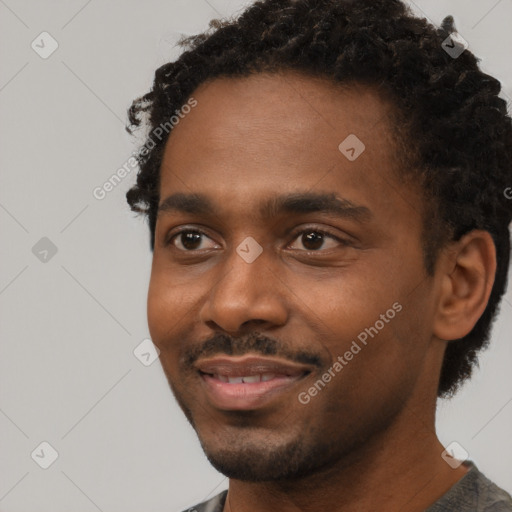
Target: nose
[(245, 294)]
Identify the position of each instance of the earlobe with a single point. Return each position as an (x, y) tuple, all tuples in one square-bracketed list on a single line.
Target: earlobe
[(467, 279)]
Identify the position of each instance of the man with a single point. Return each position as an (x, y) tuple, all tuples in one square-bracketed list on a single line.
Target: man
[(329, 227)]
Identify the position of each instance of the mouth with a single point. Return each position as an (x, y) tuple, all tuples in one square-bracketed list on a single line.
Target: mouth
[(247, 383)]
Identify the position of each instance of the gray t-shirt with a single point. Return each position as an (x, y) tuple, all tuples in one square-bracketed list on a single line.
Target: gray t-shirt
[(472, 493)]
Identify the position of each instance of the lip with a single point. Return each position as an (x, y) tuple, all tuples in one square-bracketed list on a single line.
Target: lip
[(248, 395)]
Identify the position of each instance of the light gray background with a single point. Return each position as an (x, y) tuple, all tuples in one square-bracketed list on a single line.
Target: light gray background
[(69, 326)]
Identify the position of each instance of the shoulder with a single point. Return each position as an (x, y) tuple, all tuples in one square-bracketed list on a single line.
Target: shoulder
[(215, 504), (474, 493), (490, 497)]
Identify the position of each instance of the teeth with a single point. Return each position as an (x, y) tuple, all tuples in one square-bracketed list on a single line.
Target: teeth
[(252, 378), (247, 379)]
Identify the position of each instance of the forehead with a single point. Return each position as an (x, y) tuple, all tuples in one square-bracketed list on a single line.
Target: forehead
[(255, 136), (280, 111)]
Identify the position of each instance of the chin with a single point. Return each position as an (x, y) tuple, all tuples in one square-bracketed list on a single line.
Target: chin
[(250, 460)]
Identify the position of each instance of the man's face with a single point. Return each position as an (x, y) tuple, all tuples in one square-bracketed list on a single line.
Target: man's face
[(301, 288)]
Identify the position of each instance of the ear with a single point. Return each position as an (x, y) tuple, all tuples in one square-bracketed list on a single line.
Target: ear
[(467, 278)]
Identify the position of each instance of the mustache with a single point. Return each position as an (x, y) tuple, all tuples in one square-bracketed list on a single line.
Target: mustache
[(255, 342)]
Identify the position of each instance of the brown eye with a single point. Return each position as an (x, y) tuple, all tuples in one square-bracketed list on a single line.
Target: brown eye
[(312, 240), (187, 240), (315, 239)]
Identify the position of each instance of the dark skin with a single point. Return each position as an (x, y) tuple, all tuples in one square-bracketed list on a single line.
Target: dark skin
[(367, 441)]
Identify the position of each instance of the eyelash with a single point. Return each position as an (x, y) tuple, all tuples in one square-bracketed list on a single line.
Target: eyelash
[(169, 240)]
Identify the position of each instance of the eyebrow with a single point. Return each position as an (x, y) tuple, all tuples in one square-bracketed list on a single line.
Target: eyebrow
[(297, 203)]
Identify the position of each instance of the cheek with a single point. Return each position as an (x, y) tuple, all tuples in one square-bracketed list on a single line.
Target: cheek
[(373, 378), (375, 324), (173, 303), (349, 302), (167, 309), (155, 312)]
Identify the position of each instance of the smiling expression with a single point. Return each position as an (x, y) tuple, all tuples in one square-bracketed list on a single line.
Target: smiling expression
[(256, 170)]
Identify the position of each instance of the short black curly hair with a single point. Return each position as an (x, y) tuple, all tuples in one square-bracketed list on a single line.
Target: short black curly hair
[(453, 127)]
